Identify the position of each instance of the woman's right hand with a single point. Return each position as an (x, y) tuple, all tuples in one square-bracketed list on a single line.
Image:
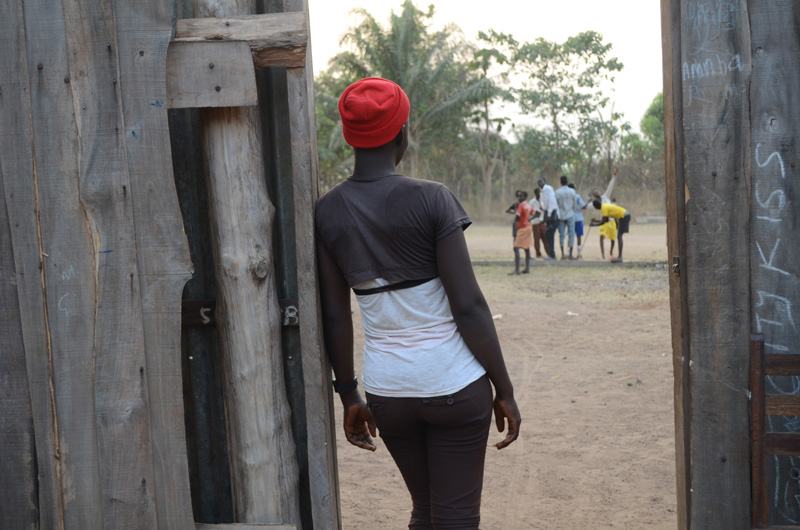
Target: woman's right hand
[(506, 411), (359, 426)]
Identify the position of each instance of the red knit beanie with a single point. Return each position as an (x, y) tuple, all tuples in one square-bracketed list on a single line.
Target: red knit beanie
[(373, 111)]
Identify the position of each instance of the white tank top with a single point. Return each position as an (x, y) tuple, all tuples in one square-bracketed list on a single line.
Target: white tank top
[(412, 346)]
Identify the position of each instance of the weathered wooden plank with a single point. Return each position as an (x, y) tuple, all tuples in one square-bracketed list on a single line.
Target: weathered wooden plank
[(143, 35), (714, 73), (757, 429), (18, 487), (120, 388), (782, 364), (276, 39), (68, 264), (246, 527), (206, 437), (676, 246), (261, 452), (19, 197), (774, 223), (264, 472), (323, 477), (782, 404), (210, 74), (782, 443)]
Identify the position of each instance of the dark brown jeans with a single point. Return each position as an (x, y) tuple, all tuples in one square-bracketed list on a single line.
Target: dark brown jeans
[(439, 445)]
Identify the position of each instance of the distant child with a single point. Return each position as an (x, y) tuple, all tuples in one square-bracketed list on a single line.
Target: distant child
[(612, 212), (580, 205), (524, 236)]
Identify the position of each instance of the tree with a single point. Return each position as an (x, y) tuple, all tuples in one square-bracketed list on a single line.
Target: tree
[(431, 66), (560, 84), (652, 124), (490, 141)]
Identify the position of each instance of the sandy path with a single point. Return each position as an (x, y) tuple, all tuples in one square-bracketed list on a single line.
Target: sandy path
[(589, 353)]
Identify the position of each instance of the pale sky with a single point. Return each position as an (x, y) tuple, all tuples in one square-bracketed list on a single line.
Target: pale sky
[(632, 26)]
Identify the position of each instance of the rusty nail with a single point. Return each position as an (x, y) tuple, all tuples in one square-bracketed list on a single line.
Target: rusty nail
[(211, 65), (66, 79), (217, 88), (39, 66)]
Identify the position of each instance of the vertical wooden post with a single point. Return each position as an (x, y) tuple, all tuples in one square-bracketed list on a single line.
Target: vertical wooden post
[(775, 218), (261, 448), (707, 73), (316, 372), (676, 247), (757, 419), (20, 198)]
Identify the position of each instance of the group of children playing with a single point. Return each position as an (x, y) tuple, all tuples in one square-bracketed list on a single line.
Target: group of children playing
[(537, 220)]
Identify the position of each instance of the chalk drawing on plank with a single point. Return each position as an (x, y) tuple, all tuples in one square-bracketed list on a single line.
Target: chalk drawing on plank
[(61, 307), (711, 68), (707, 20), (768, 264), (782, 307), (781, 198), (68, 274), (770, 157)]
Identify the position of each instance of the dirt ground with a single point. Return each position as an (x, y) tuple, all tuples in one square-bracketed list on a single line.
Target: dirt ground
[(589, 352)]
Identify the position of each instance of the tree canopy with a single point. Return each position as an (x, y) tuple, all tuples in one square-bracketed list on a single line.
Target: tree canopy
[(491, 115)]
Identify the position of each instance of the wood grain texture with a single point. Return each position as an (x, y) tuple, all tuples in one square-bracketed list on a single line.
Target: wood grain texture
[(676, 247), (246, 527), (261, 449), (120, 387), (774, 223), (714, 73), (275, 39), (18, 481), (210, 74), (323, 476), (264, 470), (163, 266), (323, 472), (757, 431), (68, 264), (20, 200)]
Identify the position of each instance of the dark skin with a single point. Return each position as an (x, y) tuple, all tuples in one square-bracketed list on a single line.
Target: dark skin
[(467, 303)]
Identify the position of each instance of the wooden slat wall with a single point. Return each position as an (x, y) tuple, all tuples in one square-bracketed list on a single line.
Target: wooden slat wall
[(17, 474), (68, 262), (144, 32), (708, 87), (323, 474), (82, 268), (20, 196), (119, 386), (774, 220), (93, 263), (676, 225)]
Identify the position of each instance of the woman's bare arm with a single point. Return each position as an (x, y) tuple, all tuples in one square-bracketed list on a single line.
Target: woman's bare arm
[(474, 321), (337, 331)]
